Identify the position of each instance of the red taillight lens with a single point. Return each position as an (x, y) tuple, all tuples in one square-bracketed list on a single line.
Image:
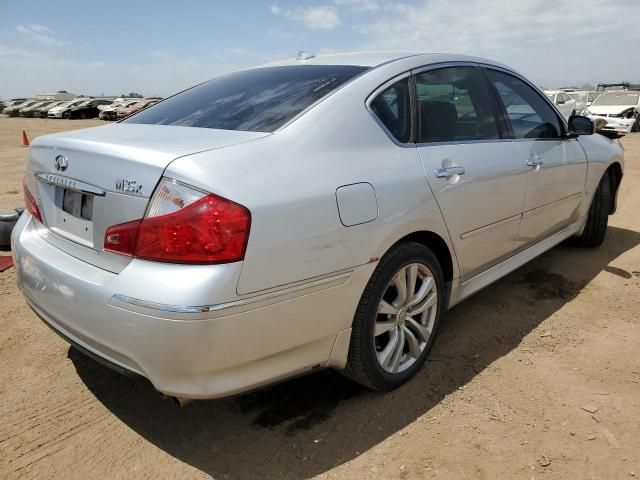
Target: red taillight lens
[(30, 202), (184, 225), (121, 238), (210, 230)]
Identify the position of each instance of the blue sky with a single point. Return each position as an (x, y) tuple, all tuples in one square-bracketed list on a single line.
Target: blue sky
[(158, 48)]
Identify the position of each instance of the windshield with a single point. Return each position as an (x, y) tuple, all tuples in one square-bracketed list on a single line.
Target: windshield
[(550, 96), (257, 100), (65, 104), (617, 98), (72, 103)]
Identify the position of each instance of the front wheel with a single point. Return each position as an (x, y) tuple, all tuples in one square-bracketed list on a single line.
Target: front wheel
[(396, 320)]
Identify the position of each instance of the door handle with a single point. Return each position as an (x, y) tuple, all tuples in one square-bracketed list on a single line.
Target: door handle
[(534, 162), (446, 172)]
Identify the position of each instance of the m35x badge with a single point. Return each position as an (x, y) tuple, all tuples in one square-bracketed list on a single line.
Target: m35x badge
[(128, 186)]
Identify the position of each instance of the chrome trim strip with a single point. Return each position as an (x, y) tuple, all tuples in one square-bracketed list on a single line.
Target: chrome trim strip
[(546, 206), (223, 306), (70, 184), (477, 231)]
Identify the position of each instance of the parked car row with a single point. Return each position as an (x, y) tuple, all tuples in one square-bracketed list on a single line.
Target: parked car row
[(78, 108), (125, 107), (620, 109)]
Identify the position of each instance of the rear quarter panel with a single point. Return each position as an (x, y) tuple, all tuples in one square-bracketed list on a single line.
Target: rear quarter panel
[(288, 181)]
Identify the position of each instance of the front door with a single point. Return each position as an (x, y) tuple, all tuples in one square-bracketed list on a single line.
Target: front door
[(477, 177), (556, 164)]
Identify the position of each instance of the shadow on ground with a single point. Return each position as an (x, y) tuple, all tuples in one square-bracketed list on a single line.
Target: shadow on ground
[(309, 425)]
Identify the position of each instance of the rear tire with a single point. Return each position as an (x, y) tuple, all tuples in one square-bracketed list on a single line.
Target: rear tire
[(598, 216), (392, 331)]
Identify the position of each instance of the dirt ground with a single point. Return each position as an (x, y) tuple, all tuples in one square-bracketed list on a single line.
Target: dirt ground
[(537, 376)]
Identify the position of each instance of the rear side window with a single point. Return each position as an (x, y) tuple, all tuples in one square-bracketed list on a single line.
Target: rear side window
[(530, 115), (257, 100), (453, 105), (393, 108)]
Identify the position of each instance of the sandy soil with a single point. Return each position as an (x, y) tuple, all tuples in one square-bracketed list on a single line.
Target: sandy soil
[(538, 376)]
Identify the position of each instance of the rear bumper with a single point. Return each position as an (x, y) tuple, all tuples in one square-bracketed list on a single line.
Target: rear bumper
[(231, 348)]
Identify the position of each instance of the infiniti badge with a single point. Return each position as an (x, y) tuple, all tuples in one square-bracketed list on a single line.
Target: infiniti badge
[(61, 163)]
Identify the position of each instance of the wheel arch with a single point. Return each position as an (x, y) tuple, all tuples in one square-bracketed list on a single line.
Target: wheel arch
[(440, 248), (437, 245)]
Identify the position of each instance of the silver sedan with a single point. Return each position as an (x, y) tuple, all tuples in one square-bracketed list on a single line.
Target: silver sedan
[(312, 213)]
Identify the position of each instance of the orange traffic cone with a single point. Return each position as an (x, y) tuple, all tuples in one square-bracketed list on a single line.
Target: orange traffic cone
[(25, 139)]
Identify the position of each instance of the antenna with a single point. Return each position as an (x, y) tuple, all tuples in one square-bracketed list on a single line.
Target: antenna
[(302, 56)]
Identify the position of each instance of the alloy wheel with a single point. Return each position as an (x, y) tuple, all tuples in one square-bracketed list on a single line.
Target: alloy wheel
[(405, 317)]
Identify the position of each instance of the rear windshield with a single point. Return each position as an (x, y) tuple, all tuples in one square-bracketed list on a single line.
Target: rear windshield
[(257, 100)]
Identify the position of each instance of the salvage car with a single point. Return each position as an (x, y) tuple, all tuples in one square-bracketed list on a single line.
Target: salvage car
[(43, 111), (85, 110), (13, 111), (583, 99), (620, 109), (136, 107), (320, 212), (109, 112), (58, 112), (562, 101), (14, 102), (30, 110)]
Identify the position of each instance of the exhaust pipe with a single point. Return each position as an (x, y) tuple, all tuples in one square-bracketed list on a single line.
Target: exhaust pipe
[(180, 401)]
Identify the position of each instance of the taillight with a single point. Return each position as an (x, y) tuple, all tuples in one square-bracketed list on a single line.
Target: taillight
[(121, 238), (184, 225), (30, 202)]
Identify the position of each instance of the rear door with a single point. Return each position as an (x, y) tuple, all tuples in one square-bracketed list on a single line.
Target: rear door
[(556, 164), (476, 175)]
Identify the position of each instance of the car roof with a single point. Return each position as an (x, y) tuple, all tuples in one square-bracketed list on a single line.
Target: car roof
[(375, 59)]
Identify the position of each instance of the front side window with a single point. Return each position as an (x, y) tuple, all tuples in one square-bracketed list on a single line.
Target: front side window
[(393, 107), (530, 115), (453, 105), (257, 100)]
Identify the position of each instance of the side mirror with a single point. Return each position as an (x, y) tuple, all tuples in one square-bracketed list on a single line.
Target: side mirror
[(581, 126)]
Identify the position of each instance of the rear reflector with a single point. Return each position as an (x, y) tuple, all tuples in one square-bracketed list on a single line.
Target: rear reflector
[(30, 202), (121, 238), (184, 225)]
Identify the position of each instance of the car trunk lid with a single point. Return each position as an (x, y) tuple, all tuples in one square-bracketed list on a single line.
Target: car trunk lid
[(88, 180)]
